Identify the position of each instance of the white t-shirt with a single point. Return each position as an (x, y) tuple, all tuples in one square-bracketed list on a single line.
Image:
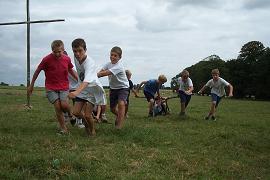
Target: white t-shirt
[(184, 86), (217, 87), (87, 72), (73, 83), (118, 79)]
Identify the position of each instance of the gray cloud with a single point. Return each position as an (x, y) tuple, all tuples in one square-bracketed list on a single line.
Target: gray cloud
[(157, 36), (253, 4)]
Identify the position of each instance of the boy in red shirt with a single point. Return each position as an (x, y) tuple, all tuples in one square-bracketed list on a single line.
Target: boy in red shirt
[(56, 67)]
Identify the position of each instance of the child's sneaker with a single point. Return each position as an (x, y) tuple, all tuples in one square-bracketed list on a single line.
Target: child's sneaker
[(62, 132), (79, 123), (104, 118), (66, 117), (213, 118), (73, 121)]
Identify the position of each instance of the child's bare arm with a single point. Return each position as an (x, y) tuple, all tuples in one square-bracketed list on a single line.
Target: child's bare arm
[(190, 89), (141, 84), (103, 73), (75, 93), (230, 90), (73, 74), (203, 88), (134, 92), (31, 86)]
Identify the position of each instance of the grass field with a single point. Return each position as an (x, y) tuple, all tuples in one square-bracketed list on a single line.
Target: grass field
[(236, 146)]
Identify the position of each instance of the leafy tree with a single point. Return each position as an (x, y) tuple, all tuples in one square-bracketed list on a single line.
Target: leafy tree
[(247, 62)]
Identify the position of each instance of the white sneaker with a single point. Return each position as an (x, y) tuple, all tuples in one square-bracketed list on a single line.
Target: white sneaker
[(79, 123), (66, 117), (104, 118)]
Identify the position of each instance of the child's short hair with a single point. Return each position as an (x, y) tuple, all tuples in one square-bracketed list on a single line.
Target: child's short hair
[(215, 71), (128, 73), (57, 43), (162, 78), (185, 73), (79, 42), (117, 50)]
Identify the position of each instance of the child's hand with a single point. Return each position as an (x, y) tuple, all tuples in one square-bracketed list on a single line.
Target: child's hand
[(188, 92), (30, 90), (72, 95)]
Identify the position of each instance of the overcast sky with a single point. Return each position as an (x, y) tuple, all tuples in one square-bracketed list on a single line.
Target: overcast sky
[(156, 36)]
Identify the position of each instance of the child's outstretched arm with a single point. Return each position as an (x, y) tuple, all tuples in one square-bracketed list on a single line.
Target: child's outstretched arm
[(75, 93), (134, 92), (31, 86), (202, 89), (103, 73), (141, 84), (230, 90)]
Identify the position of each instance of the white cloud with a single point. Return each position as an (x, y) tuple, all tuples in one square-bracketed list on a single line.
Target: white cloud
[(157, 36)]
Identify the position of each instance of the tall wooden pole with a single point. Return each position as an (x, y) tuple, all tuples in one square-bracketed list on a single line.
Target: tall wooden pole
[(28, 23), (28, 51)]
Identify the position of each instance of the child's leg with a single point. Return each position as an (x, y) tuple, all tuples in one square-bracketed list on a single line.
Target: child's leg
[(113, 101), (90, 129), (121, 114), (59, 115), (77, 109), (126, 106), (212, 109), (183, 108), (126, 110), (64, 102), (98, 111), (150, 106), (214, 103)]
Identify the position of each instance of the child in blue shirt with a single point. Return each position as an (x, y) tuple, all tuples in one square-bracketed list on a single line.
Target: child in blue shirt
[(151, 88)]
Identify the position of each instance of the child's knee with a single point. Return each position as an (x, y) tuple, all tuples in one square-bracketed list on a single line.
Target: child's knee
[(76, 113)]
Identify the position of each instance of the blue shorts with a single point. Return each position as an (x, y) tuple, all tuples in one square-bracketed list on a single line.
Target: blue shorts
[(215, 99), (184, 97), (148, 95), (118, 95)]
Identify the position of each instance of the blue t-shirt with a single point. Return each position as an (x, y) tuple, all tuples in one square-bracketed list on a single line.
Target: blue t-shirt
[(152, 86)]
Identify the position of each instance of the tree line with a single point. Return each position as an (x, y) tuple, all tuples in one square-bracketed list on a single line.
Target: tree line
[(249, 73)]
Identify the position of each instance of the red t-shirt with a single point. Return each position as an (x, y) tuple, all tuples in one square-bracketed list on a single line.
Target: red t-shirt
[(56, 72)]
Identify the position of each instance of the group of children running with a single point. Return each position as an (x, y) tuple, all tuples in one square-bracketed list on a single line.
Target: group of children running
[(88, 93)]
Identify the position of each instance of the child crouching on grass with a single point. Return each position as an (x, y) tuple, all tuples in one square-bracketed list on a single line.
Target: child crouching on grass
[(217, 85), (151, 88)]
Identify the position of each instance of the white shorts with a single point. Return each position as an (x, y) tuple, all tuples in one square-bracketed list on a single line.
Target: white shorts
[(95, 95)]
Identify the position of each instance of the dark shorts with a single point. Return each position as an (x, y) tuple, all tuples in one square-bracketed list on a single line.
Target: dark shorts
[(77, 99), (215, 99), (184, 97), (148, 95), (128, 97), (118, 95)]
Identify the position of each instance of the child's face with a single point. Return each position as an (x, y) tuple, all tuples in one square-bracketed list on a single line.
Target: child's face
[(215, 76), (58, 51), (128, 76), (184, 78), (114, 57), (79, 53)]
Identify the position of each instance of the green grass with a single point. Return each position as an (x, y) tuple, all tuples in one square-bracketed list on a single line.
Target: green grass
[(236, 146)]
